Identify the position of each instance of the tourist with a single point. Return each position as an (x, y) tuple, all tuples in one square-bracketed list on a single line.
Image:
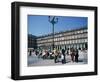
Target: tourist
[(63, 57), (55, 56), (72, 54), (76, 55)]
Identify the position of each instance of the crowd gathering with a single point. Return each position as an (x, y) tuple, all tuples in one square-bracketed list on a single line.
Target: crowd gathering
[(58, 55)]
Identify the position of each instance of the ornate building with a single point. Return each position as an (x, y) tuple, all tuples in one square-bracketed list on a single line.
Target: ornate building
[(76, 38)]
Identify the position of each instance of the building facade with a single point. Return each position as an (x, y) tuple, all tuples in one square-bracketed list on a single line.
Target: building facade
[(67, 39), (32, 42), (77, 38)]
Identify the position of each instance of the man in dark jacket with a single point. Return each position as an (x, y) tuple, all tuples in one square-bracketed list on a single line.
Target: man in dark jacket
[(76, 55), (64, 59)]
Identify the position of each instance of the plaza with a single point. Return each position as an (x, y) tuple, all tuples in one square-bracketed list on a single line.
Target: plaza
[(34, 60), (53, 46)]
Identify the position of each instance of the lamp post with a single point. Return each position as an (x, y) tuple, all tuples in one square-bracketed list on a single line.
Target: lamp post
[(53, 20)]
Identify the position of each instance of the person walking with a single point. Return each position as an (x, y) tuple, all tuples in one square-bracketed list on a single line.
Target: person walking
[(55, 55), (76, 55), (72, 54), (63, 57)]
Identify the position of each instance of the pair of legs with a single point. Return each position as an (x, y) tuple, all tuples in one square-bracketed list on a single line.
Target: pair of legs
[(76, 58), (55, 59), (72, 57)]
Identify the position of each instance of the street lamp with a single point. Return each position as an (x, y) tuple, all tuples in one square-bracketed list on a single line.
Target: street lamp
[(53, 20)]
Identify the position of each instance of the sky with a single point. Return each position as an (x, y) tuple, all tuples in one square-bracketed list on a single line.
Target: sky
[(39, 25)]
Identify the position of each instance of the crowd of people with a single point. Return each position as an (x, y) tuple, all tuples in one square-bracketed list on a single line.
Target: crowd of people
[(58, 55)]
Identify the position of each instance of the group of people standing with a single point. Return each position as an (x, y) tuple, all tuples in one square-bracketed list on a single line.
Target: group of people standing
[(72, 52), (58, 54)]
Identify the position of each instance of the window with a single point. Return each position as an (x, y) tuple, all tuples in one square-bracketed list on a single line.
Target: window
[(67, 42), (86, 40)]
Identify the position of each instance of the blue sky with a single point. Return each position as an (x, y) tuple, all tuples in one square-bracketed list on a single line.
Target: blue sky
[(39, 25)]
